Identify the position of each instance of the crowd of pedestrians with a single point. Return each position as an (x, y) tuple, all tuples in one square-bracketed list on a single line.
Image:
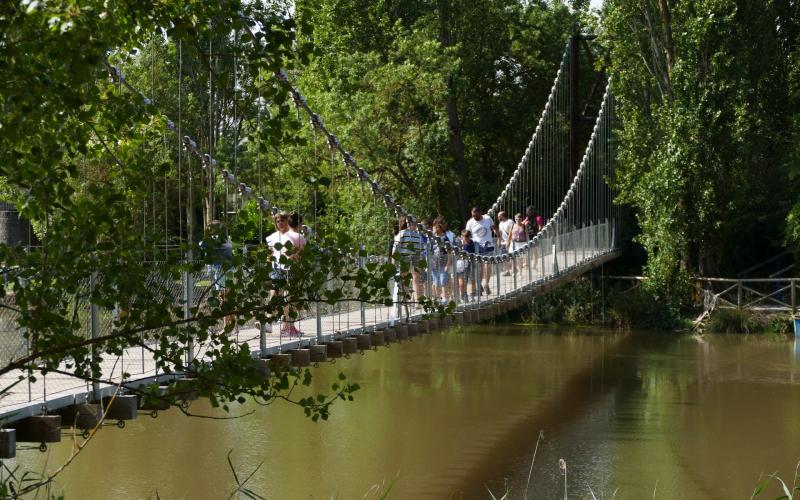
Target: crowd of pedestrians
[(424, 262), (480, 236)]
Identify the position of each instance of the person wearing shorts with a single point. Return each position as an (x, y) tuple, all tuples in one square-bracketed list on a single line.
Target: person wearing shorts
[(277, 241), (440, 264), (518, 236), (464, 266), (483, 232), (407, 250), (504, 225)]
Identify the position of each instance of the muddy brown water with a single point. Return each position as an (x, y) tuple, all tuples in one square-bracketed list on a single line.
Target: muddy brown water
[(459, 414)]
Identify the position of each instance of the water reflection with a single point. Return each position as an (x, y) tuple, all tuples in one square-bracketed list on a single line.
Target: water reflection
[(453, 414)]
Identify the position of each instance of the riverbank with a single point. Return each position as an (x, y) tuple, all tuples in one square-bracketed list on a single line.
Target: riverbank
[(624, 305)]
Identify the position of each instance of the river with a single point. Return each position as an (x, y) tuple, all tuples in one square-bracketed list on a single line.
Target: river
[(457, 414)]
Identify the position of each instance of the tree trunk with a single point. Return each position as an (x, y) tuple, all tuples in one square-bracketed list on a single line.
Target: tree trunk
[(666, 23), (456, 139)]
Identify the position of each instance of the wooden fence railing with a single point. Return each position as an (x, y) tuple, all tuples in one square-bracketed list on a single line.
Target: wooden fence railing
[(755, 294)]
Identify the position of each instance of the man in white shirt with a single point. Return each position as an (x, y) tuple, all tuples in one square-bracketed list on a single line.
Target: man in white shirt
[(279, 270), (483, 233)]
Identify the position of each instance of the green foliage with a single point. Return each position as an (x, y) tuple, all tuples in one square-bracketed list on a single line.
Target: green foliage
[(400, 82), (745, 321), (788, 490), (118, 205), (780, 324), (707, 141), (576, 303), (582, 303), (733, 321), (639, 308)]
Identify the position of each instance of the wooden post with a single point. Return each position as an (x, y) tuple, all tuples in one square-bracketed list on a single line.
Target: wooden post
[(794, 302), (739, 295)]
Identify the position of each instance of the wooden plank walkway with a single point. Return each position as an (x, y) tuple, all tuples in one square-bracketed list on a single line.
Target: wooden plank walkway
[(54, 390)]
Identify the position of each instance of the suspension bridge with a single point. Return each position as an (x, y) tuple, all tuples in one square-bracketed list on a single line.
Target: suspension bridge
[(581, 232)]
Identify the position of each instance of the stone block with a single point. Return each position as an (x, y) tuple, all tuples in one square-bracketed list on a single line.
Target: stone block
[(350, 345), (364, 341), (8, 443), (280, 361), (123, 407), (319, 353), (335, 348), (300, 357), (82, 416), (38, 429), (402, 332), (377, 338)]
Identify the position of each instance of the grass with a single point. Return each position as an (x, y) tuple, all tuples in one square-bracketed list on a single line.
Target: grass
[(744, 321)]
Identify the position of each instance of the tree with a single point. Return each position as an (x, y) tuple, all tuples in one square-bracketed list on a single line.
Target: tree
[(438, 98), (704, 145), (80, 154)]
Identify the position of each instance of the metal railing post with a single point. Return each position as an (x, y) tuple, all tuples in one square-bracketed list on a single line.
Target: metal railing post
[(262, 338), (497, 271), (514, 271), (454, 282), (95, 323), (428, 260), (528, 251), (541, 255), (583, 241), (362, 307), (792, 293), (555, 250), (478, 277), (188, 299), (318, 314)]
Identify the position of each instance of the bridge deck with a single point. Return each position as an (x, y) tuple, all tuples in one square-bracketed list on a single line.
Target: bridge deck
[(56, 390)]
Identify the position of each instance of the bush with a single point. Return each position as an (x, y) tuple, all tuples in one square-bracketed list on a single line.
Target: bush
[(780, 324), (572, 303), (734, 321), (638, 308)]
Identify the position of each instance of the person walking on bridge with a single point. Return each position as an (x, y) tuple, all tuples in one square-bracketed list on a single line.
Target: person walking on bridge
[(407, 251), (440, 264), (219, 248), (463, 266), (518, 237), (279, 242), (483, 232), (298, 241), (534, 223), (505, 224)]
